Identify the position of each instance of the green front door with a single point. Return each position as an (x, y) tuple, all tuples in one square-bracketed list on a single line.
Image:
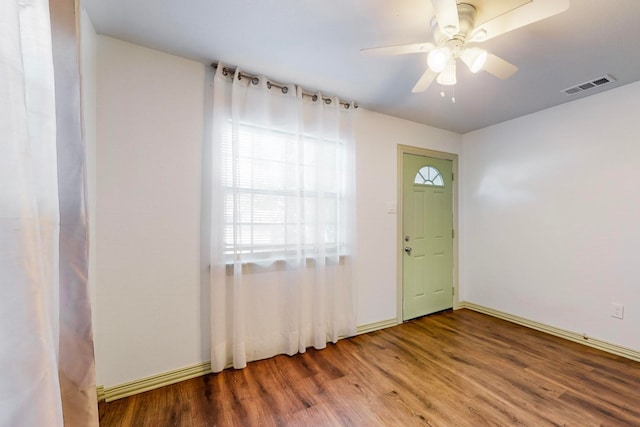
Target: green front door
[(427, 209)]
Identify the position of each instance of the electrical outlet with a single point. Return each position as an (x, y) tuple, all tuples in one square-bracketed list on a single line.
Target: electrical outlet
[(617, 310)]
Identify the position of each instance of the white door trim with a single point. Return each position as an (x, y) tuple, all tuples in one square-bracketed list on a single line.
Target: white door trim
[(405, 149)]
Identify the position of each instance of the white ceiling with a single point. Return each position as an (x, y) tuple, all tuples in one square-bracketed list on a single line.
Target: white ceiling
[(316, 43)]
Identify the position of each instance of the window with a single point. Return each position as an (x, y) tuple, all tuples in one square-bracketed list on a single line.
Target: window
[(429, 175), (283, 194)]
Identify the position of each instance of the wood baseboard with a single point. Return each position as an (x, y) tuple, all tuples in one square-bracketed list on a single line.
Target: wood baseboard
[(562, 333), (370, 327), (110, 394), (150, 383), (100, 392), (156, 381)]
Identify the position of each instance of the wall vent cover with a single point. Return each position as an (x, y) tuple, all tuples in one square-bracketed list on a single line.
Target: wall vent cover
[(600, 81)]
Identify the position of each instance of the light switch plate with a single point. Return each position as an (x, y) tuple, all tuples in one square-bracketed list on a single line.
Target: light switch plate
[(391, 207), (617, 310)]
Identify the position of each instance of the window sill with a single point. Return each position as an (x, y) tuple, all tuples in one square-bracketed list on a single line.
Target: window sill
[(249, 267)]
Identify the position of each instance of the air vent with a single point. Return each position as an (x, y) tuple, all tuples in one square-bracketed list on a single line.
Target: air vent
[(600, 81)]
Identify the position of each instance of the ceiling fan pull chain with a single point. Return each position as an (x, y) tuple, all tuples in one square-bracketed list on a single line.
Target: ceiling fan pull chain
[(453, 93)]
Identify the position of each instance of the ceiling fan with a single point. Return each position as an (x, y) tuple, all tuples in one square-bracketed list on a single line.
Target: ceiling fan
[(458, 25)]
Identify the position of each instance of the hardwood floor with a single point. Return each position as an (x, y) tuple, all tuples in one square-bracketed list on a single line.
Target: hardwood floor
[(457, 368)]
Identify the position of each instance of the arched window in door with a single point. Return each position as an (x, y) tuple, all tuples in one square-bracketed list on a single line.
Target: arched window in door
[(428, 175)]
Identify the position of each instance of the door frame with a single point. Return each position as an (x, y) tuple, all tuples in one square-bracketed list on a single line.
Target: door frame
[(406, 149)]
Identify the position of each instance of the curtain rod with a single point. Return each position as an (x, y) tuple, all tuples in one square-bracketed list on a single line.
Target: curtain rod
[(284, 88)]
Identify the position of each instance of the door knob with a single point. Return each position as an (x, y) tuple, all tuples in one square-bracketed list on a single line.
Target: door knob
[(407, 249)]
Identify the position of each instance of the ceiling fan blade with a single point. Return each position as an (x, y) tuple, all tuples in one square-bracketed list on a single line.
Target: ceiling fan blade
[(446, 12), (399, 49), (499, 67), (425, 81), (529, 13)]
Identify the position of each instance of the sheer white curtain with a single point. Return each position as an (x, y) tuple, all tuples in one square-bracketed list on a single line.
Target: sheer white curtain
[(46, 352), (282, 214)]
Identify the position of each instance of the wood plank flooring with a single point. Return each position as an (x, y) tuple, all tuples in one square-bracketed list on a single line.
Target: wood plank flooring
[(457, 368)]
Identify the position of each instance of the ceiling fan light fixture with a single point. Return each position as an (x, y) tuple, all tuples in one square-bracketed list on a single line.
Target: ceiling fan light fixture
[(448, 76), (474, 58), (438, 59)]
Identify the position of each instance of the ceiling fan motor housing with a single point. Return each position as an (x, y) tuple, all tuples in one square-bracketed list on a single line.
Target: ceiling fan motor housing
[(466, 18)]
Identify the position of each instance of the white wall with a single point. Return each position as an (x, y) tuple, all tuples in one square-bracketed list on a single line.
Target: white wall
[(550, 216), (149, 142), (549, 210), (377, 139), (88, 58), (152, 298)]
